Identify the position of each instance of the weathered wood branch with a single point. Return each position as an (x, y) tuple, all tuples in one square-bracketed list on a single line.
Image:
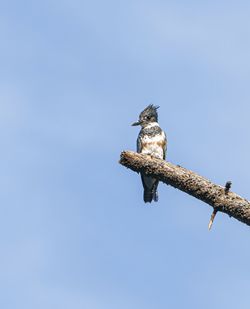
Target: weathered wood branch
[(220, 198)]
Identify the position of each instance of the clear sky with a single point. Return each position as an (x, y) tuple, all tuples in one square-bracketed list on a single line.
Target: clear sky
[(74, 230)]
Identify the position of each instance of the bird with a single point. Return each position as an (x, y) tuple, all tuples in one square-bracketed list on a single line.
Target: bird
[(151, 141)]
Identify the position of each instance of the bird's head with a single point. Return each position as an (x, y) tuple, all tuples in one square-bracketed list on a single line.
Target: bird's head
[(147, 116)]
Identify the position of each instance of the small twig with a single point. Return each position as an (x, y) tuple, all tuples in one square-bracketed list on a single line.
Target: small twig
[(228, 186), (212, 219)]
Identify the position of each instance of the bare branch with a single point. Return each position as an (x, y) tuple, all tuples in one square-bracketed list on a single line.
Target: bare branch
[(191, 183)]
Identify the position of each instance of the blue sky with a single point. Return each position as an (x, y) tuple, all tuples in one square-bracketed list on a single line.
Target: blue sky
[(75, 232)]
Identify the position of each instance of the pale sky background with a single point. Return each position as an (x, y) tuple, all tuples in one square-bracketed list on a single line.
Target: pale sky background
[(74, 231)]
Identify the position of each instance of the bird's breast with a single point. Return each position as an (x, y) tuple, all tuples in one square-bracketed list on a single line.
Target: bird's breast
[(154, 145)]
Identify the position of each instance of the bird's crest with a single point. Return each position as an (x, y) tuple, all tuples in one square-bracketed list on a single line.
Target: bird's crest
[(150, 111)]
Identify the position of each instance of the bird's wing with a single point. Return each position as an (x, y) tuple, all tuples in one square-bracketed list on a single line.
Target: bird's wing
[(139, 144), (165, 147)]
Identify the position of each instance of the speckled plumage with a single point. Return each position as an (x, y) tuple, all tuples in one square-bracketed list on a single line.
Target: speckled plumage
[(152, 141)]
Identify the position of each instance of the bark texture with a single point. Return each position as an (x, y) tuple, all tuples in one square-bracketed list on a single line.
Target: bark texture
[(185, 180)]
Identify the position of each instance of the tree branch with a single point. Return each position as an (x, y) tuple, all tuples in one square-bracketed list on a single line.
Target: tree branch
[(220, 198)]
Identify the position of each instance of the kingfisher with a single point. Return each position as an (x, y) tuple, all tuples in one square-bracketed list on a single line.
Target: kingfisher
[(151, 141)]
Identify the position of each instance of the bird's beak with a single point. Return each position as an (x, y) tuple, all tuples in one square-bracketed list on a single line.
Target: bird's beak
[(136, 123)]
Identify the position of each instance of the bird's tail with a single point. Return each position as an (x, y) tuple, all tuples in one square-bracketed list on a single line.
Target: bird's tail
[(150, 195), (150, 188)]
